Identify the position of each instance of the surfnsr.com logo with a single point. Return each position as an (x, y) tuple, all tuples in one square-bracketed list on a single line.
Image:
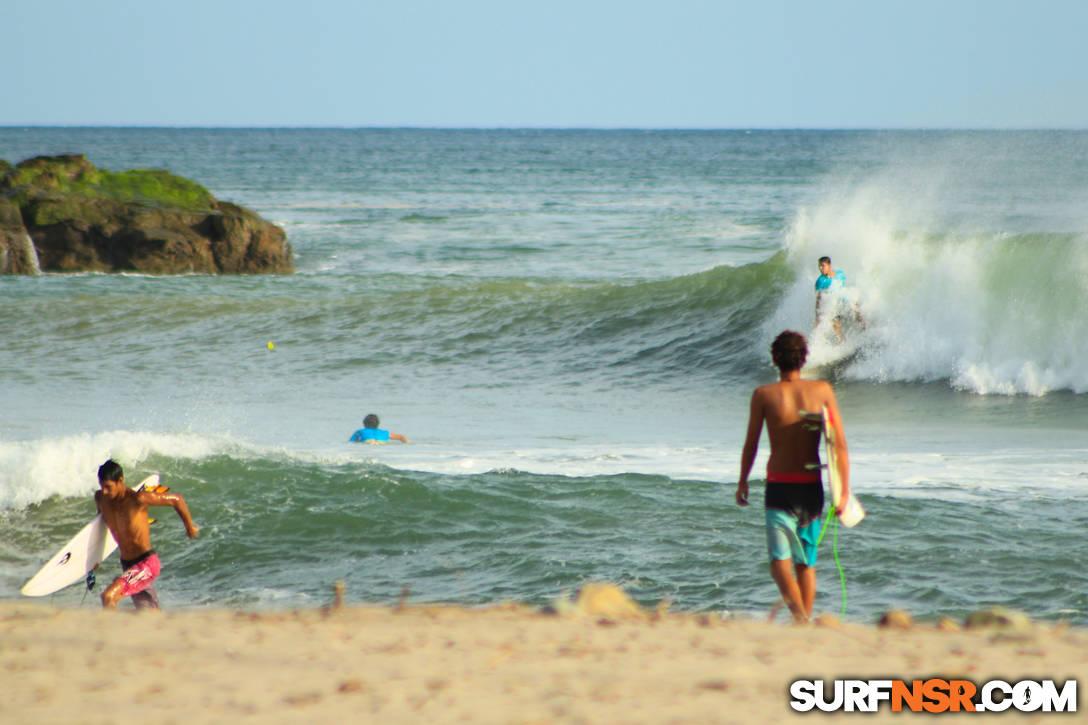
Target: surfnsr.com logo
[(933, 695)]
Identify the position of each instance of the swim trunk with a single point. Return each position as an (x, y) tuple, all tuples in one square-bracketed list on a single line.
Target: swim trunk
[(137, 576), (794, 504)]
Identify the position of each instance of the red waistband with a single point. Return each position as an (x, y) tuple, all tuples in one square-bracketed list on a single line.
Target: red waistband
[(810, 477)]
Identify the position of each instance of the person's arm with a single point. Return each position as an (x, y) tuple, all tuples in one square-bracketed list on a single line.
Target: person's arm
[(751, 445), (842, 451), (398, 437), (175, 501)]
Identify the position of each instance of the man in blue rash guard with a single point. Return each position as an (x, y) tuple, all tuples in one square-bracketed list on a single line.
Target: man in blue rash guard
[(371, 433), (831, 294)]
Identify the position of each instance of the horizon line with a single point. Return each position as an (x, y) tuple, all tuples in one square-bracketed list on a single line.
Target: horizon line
[(421, 127)]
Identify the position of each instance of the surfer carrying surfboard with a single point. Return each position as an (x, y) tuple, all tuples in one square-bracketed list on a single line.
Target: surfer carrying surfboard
[(125, 513), (794, 497)]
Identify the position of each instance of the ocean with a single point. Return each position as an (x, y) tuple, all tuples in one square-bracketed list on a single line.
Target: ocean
[(568, 325)]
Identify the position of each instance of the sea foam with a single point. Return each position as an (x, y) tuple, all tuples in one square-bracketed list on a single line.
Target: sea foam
[(993, 306), (33, 471)]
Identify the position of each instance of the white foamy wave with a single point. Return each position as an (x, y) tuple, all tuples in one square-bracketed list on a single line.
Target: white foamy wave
[(945, 298), (32, 471), (695, 461)]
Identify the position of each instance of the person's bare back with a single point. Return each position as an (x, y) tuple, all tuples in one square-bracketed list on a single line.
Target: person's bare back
[(795, 447), (794, 495)]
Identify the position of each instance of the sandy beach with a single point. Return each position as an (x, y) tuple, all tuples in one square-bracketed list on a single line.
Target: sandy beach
[(504, 664)]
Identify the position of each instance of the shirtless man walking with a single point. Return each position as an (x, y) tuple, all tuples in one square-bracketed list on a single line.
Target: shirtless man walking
[(794, 497), (125, 513)]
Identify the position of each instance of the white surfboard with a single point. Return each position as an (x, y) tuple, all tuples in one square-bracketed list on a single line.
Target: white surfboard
[(852, 513), (86, 550)]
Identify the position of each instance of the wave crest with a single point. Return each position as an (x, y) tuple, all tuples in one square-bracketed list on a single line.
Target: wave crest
[(989, 310)]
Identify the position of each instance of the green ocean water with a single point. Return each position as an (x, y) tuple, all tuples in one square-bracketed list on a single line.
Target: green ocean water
[(568, 325)]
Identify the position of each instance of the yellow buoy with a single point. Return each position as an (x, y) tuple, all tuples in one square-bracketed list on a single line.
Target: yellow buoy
[(271, 346)]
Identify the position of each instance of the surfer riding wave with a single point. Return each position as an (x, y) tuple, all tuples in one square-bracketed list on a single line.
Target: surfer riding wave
[(834, 300)]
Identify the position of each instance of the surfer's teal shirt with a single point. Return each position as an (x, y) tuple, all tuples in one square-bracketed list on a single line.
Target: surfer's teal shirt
[(832, 295), (369, 434), (831, 284)]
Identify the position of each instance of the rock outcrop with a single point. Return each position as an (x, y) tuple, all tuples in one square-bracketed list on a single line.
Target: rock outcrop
[(17, 254), (61, 214)]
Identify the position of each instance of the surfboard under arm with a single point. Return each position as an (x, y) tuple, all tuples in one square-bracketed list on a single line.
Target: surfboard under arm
[(81, 554), (852, 512)]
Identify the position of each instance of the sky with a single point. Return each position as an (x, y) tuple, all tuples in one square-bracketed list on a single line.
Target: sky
[(546, 63)]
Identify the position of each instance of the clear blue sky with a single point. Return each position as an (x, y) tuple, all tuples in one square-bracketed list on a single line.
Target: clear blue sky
[(547, 63)]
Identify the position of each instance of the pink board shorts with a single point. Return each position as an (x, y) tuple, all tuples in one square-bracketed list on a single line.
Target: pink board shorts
[(139, 574)]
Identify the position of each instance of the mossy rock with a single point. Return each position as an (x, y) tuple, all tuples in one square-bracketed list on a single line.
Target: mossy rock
[(72, 174), (68, 216), (44, 208)]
